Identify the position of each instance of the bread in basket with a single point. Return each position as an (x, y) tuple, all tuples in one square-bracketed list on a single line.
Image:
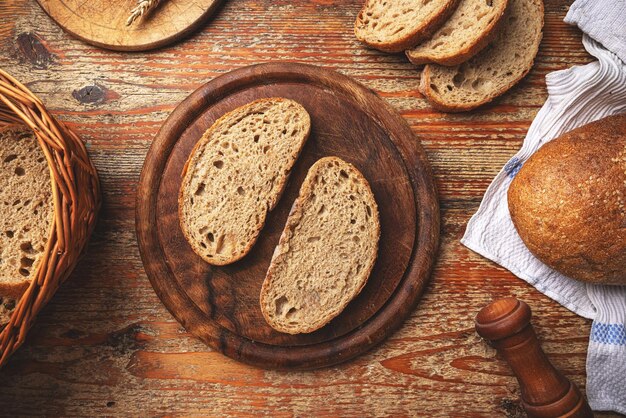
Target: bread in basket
[(63, 208)]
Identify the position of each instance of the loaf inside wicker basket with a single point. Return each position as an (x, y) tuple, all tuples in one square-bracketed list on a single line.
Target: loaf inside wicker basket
[(26, 213), (43, 263)]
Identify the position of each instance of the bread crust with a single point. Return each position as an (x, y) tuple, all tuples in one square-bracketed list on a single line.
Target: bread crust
[(568, 202), (439, 102), (14, 290), (295, 216), (422, 31), (259, 226), (467, 52)]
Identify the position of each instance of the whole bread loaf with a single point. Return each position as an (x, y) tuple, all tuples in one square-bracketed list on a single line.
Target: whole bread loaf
[(495, 69), (326, 251), (396, 25), (568, 202), (236, 174), (470, 28), (26, 213)]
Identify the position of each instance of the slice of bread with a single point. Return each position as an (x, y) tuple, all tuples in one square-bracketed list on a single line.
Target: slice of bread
[(235, 176), (396, 25), (495, 69), (470, 28), (26, 213), (326, 251)]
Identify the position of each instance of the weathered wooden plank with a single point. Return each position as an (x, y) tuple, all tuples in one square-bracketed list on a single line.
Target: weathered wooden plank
[(106, 346)]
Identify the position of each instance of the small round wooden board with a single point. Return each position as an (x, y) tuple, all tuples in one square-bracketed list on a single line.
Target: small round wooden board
[(103, 22), (220, 305)]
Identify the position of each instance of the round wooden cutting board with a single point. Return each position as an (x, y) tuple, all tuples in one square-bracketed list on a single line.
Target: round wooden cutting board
[(220, 305), (103, 22)]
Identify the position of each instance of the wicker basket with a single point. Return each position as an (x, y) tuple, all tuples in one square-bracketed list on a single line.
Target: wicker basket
[(76, 199)]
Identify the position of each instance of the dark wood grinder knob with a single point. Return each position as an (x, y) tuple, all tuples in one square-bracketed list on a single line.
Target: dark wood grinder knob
[(505, 324)]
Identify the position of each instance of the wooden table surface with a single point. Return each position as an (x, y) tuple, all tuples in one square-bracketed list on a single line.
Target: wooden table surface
[(105, 345)]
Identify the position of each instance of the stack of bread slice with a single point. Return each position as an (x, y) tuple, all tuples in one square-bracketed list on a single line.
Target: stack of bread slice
[(472, 50)]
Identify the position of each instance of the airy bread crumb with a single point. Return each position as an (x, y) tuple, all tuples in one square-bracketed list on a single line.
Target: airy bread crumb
[(470, 28), (495, 69), (393, 26), (27, 212), (236, 174), (326, 251)]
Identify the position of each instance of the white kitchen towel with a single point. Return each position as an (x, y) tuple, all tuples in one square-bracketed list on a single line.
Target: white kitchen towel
[(577, 96), (603, 20)]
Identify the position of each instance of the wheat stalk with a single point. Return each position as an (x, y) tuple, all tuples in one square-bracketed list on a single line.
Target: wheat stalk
[(142, 8)]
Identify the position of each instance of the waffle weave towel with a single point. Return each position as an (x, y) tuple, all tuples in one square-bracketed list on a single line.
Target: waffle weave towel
[(577, 96)]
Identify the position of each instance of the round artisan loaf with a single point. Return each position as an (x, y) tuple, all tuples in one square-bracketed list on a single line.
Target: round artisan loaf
[(568, 202)]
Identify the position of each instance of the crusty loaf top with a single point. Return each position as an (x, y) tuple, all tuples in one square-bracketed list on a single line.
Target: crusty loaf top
[(568, 202)]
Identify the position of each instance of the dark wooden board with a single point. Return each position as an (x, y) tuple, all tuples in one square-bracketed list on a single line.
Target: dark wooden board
[(103, 22), (220, 304)]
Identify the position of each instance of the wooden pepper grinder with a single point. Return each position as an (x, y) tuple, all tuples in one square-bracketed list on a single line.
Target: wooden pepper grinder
[(505, 324)]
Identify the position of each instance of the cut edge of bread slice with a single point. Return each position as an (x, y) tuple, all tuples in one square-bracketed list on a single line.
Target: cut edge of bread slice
[(23, 166), (454, 79), (431, 50), (313, 275), (259, 176), (403, 38)]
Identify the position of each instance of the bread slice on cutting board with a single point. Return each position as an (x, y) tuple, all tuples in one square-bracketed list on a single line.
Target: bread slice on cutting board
[(236, 174), (495, 69), (326, 251), (397, 25), (470, 28), (26, 213)]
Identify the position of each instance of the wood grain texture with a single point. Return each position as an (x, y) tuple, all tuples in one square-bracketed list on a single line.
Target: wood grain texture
[(105, 345), (103, 22), (221, 304)]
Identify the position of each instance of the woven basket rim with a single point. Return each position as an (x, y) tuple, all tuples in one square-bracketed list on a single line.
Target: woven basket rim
[(76, 201)]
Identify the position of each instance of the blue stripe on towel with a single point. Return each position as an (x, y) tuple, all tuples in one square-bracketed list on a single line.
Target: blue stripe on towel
[(608, 333), (512, 167)]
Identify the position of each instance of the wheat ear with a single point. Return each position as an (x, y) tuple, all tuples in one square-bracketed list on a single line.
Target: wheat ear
[(143, 7)]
